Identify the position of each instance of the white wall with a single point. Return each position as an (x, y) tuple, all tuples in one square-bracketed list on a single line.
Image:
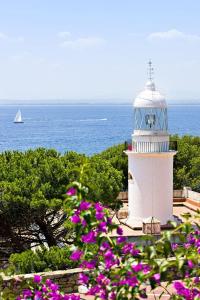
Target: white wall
[(150, 193)]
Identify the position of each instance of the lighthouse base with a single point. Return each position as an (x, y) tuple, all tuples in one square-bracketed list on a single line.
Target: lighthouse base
[(150, 187), (137, 223)]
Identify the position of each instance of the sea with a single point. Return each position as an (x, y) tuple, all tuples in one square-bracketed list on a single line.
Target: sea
[(85, 129)]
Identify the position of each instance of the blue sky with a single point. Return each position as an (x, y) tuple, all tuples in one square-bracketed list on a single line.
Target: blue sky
[(98, 50)]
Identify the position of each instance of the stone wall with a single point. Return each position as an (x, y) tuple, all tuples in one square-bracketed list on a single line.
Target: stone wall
[(194, 196), (178, 194), (67, 281)]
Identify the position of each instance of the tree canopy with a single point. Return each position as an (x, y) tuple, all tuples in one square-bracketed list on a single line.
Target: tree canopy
[(32, 186)]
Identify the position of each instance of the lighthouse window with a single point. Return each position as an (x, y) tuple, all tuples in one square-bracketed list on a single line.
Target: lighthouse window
[(130, 176), (150, 120)]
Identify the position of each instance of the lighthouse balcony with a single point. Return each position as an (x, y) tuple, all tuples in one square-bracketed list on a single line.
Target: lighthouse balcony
[(149, 147)]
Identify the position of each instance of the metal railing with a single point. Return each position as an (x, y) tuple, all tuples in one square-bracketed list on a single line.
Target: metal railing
[(148, 147)]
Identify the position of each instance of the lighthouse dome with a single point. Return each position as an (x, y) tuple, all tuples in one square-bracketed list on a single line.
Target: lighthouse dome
[(150, 97)]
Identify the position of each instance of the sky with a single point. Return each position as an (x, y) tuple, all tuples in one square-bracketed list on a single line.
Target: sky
[(97, 50)]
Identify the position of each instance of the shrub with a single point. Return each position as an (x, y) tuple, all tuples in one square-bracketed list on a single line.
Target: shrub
[(40, 260)]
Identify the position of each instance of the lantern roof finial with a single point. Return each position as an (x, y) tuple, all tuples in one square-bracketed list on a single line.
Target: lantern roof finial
[(150, 70)]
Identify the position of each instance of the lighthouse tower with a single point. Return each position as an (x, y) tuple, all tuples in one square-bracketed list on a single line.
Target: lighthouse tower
[(150, 162)]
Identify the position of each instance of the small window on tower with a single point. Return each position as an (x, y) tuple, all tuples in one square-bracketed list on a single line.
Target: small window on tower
[(130, 176), (150, 120)]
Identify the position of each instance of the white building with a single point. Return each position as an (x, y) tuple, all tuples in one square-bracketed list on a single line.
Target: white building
[(150, 162)]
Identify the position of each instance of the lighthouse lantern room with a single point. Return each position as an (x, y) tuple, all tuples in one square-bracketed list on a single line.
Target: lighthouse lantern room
[(150, 162)]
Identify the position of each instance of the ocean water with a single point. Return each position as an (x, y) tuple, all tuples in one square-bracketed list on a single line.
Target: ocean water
[(82, 128)]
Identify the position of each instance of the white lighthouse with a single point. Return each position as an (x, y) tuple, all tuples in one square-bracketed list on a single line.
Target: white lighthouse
[(150, 162)]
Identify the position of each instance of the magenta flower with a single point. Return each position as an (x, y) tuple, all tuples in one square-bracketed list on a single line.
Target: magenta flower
[(156, 277), (102, 227), (84, 223), (44, 288), (37, 278), (102, 279), (190, 264), (83, 278), (137, 268), (112, 296), (38, 295), (76, 255), (104, 246), (129, 248), (174, 246), (48, 282), (70, 297), (75, 219), (94, 290), (89, 238), (84, 205), (99, 215), (197, 280), (54, 287), (146, 269), (121, 239), (109, 255), (109, 221), (98, 207), (27, 293), (89, 264), (119, 231), (185, 292), (132, 281), (71, 192)]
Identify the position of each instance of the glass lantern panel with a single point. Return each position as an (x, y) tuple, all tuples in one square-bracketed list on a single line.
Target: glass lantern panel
[(150, 119)]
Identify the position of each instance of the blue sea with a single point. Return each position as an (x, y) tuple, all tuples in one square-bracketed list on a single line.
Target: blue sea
[(86, 129)]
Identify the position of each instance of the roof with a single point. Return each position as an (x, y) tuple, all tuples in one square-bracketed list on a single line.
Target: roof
[(150, 97)]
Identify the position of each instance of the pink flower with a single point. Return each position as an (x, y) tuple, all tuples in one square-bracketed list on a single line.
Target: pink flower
[(71, 192), (94, 290), (84, 205), (119, 231), (190, 264), (121, 239), (156, 277), (102, 227), (44, 288), (76, 255), (89, 264), (75, 219), (98, 207), (83, 278), (104, 246), (84, 223), (99, 215), (48, 282), (89, 238), (137, 268), (37, 278), (27, 293)]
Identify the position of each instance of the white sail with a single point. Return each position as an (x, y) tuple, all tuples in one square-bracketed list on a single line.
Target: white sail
[(18, 117)]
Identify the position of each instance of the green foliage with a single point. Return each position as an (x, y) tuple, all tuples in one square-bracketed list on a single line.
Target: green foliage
[(32, 186), (40, 260), (103, 181), (120, 268), (187, 162), (118, 159)]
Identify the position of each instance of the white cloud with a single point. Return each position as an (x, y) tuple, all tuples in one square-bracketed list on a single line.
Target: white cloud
[(173, 34), (83, 42), (64, 34), (5, 37)]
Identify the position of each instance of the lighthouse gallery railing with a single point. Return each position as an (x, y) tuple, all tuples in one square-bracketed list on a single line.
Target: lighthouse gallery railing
[(148, 147)]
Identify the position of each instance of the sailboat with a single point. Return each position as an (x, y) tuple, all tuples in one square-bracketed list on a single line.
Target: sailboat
[(18, 117)]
